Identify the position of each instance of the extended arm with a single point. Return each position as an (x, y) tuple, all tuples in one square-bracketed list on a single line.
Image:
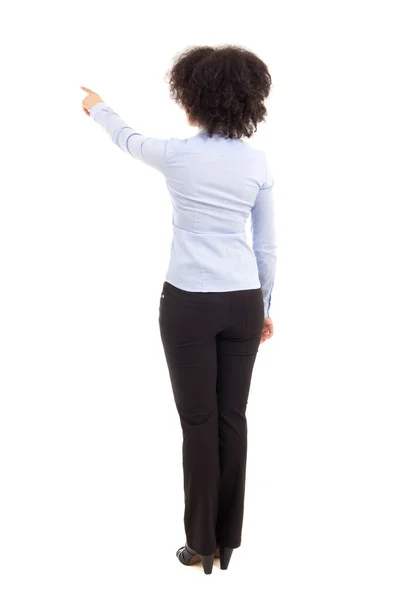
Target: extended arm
[(264, 240), (149, 150)]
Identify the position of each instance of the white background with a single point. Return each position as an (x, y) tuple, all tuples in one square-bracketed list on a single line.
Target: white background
[(91, 503)]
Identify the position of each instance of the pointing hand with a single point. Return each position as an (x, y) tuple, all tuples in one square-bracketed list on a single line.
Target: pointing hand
[(91, 99)]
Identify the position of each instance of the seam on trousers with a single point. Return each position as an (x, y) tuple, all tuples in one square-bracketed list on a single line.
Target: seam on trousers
[(245, 315)]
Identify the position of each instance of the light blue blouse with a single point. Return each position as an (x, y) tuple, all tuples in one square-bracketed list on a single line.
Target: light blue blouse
[(215, 184)]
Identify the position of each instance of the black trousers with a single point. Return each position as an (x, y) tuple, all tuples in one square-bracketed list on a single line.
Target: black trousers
[(211, 340)]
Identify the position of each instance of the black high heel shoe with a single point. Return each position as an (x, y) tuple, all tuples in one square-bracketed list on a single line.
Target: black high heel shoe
[(225, 556), (187, 556)]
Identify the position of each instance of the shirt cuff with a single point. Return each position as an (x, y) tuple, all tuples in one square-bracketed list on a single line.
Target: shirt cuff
[(96, 108)]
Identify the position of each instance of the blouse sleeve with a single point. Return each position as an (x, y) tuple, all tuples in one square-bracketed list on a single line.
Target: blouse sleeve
[(149, 150), (264, 238)]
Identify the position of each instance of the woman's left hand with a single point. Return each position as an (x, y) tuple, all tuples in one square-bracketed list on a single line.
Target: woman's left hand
[(90, 100)]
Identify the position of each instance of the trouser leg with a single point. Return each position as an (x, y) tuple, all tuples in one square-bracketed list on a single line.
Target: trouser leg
[(237, 348), (190, 350)]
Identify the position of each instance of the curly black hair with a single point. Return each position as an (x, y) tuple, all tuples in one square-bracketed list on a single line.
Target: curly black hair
[(222, 88)]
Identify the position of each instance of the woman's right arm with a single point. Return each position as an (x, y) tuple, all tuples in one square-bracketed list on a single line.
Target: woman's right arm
[(264, 238)]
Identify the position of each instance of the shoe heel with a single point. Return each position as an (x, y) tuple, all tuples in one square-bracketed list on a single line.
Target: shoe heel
[(225, 556), (207, 560)]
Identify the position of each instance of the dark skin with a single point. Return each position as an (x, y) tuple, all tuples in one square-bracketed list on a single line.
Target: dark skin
[(87, 103)]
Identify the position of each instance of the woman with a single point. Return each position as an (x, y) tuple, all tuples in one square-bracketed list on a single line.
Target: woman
[(215, 301)]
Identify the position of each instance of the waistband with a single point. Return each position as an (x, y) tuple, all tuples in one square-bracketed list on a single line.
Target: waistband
[(212, 295)]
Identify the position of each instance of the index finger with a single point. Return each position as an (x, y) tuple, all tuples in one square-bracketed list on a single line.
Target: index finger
[(87, 90)]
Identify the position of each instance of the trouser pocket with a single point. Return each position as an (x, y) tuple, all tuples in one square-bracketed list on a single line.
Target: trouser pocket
[(254, 313)]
